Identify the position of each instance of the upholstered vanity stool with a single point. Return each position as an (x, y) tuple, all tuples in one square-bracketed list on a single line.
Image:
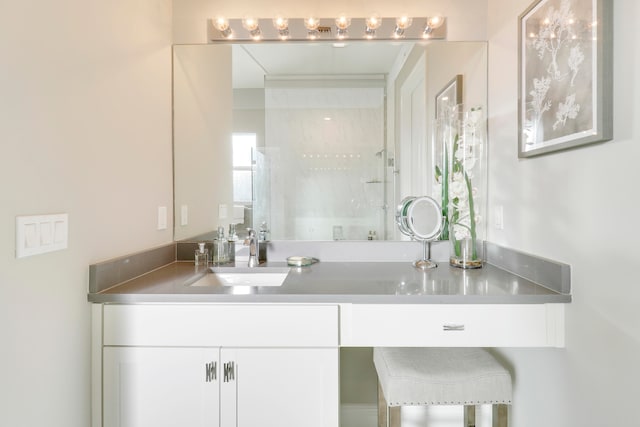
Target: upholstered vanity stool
[(440, 376)]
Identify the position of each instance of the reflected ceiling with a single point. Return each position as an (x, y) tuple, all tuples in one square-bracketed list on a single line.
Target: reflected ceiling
[(252, 61)]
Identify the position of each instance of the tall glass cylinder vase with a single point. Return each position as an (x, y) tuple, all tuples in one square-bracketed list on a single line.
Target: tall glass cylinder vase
[(467, 188), (440, 149)]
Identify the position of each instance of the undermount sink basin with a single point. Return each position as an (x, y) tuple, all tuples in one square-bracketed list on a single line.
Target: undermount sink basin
[(244, 276)]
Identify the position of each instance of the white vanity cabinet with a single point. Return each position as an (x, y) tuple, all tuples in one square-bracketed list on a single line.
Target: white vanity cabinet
[(160, 387), (280, 387), (216, 365)]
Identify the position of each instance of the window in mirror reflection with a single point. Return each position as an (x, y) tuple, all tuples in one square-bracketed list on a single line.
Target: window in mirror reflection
[(244, 145)]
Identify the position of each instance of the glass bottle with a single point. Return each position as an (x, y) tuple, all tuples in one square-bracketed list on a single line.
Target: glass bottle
[(201, 256), (220, 248)]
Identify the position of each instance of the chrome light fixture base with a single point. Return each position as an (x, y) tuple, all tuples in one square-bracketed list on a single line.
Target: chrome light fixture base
[(297, 29)]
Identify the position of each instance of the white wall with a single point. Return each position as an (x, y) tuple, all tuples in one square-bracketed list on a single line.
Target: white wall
[(202, 114), (579, 207), (444, 61), (85, 120)]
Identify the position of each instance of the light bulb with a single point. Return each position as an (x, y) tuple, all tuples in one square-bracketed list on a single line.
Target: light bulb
[(435, 21), (311, 23), (403, 22), (250, 23), (343, 22), (280, 23), (282, 26), (222, 24), (373, 22)]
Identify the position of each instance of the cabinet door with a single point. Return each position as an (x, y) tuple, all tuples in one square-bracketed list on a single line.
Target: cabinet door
[(279, 387), (157, 387)]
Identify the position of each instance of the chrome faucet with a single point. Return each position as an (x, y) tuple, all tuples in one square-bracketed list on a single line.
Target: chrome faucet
[(252, 242)]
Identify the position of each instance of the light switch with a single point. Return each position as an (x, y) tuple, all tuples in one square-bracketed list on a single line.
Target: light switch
[(37, 234), (46, 233), (31, 234), (60, 231)]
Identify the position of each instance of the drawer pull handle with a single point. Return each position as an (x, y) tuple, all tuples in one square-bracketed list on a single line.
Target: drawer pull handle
[(453, 327), (229, 371), (211, 371)]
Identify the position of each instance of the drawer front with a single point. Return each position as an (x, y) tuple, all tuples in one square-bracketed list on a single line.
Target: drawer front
[(221, 325), (450, 325)]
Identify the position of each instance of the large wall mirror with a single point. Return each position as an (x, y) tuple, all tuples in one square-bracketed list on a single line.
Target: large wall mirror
[(319, 141)]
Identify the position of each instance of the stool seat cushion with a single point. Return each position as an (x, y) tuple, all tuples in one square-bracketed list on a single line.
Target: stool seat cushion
[(441, 376)]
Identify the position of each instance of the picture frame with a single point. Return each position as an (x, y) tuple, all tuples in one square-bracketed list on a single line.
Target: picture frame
[(565, 75), (449, 96)]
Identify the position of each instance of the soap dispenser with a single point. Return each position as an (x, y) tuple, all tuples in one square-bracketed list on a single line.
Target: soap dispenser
[(220, 248), (201, 256)]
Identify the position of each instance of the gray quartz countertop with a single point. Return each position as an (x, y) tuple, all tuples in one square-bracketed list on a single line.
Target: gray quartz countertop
[(340, 282)]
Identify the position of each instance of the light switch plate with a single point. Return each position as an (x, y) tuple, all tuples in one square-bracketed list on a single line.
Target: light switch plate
[(184, 215), (498, 217), (38, 234), (223, 211), (162, 217)]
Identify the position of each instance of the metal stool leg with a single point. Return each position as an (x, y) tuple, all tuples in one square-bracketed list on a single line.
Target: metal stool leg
[(500, 415), (388, 416), (394, 416), (382, 409), (469, 416)]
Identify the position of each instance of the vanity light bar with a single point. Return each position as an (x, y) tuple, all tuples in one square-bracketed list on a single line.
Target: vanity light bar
[(341, 28)]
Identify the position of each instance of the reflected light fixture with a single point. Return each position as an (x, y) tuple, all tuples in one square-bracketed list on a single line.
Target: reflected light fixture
[(282, 26), (402, 23), (222, 24), (251, 24), (372, 24), (342, 24), (311, 24)]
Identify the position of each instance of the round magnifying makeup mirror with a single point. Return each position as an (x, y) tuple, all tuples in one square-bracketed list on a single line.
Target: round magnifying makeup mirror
[(421, 219), (424, 218), (402, 214)]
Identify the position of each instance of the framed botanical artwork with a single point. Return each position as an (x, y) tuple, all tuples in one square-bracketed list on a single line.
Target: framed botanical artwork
[(449, 96), (565, 75)]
